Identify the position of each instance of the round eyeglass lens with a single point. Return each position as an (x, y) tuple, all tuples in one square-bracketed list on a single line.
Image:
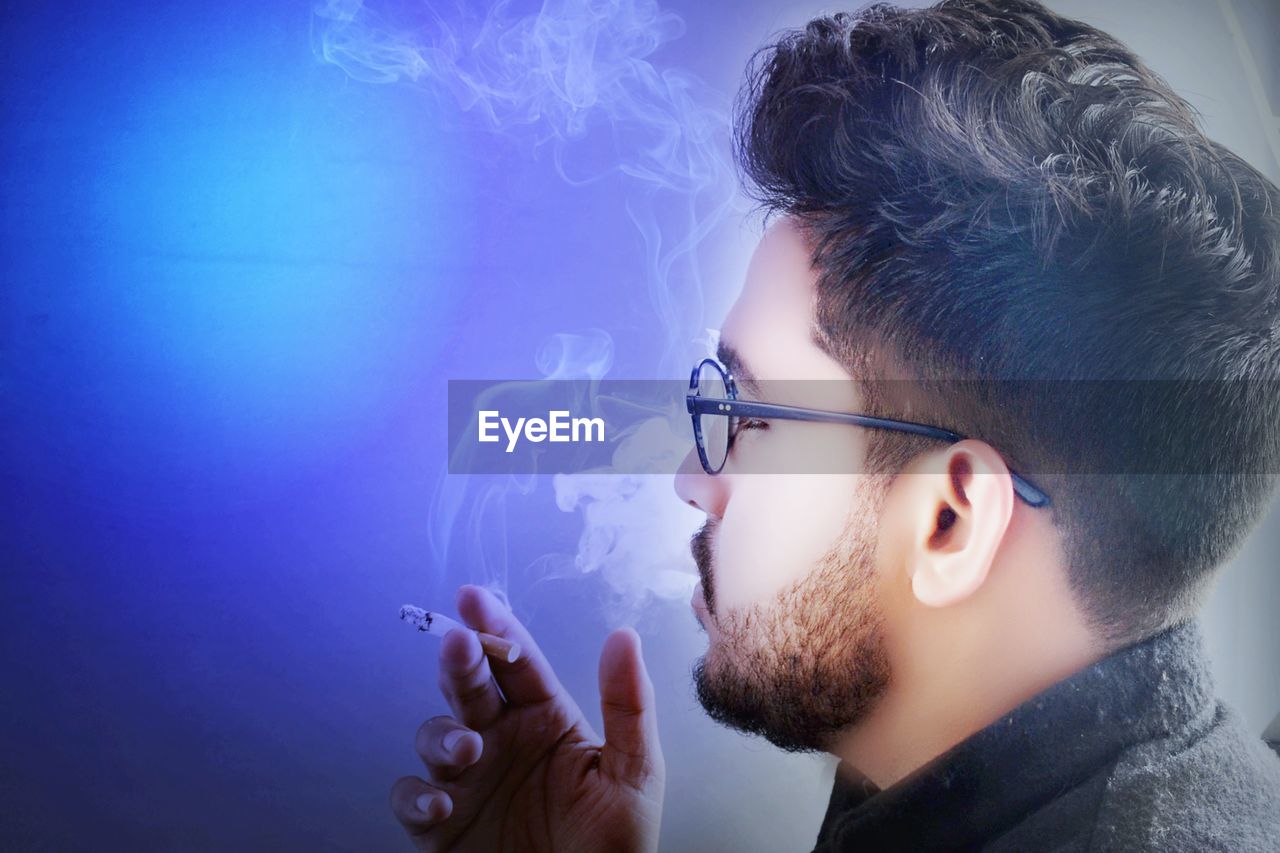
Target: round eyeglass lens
[(715, 428)]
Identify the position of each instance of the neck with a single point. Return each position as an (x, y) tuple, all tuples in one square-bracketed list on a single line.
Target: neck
[(956, 670)]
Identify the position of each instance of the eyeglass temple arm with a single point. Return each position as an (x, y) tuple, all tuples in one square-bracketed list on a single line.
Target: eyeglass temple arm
[(697, 405)]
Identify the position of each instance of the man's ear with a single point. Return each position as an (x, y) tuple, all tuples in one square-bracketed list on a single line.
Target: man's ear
[(960, 509)]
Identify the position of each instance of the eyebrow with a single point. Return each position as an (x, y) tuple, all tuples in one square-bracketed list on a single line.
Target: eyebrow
[(742, 375)]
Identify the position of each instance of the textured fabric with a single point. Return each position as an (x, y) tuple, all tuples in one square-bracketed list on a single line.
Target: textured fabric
[(1132, 753)]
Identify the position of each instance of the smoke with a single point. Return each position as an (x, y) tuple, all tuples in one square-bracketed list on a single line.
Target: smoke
[(554, 77), (630, 523), (585, 356)]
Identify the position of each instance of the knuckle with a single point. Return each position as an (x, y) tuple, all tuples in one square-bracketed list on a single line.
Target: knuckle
[(472, 691), (469, 677), (475, 670), (622, 710)]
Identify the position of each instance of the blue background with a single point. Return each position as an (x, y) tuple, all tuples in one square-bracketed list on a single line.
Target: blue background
[(241, 259)]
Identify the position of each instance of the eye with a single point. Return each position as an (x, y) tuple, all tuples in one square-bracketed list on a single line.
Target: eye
[(751, 423), (741, 424)]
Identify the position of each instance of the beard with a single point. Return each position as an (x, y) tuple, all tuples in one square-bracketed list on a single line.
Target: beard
[(810, 663)]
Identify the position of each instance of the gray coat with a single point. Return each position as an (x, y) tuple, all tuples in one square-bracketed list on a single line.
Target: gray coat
[(1133, 753)]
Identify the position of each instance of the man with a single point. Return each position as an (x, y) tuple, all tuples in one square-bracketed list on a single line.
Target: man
[(995, 634)]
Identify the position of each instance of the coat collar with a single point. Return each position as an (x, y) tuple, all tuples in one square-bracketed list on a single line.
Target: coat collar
[(1040, 750)]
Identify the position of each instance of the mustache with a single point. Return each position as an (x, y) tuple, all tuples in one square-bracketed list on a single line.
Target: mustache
[(700, 546)]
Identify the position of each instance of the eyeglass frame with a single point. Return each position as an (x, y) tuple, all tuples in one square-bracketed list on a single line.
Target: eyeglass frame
[(732, 407)]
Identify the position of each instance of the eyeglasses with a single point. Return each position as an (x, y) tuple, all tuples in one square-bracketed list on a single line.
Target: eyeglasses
[(714, 407)]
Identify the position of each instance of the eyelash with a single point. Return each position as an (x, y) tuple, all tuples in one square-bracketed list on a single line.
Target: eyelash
[(742, 424)]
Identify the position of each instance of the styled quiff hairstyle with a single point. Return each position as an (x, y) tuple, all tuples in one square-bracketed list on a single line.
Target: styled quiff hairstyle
[(997, 193)]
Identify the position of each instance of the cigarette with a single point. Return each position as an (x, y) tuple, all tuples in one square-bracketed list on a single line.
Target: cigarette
[(439, 624)]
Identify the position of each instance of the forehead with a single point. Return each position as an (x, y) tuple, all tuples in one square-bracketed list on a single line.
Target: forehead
[(771, 325)]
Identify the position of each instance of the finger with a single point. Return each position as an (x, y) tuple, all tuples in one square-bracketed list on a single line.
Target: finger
[(530, 679), (467, 682), (631, 752), (447, 748), (420, 808)]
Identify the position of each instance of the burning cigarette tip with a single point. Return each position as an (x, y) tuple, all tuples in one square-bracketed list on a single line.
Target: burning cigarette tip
[(439, 624), (417, 617)]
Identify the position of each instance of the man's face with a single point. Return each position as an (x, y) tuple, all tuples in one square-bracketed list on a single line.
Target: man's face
[(789, 587)]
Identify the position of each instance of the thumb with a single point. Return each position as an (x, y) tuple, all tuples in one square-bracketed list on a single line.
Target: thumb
[(631, 752)]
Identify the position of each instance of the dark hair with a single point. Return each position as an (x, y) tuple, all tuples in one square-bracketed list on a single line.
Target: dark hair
[(993, 191)]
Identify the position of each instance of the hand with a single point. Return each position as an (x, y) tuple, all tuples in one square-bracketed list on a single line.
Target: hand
[(521, 769)]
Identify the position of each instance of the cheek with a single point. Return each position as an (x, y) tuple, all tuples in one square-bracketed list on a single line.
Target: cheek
[(775, 531)]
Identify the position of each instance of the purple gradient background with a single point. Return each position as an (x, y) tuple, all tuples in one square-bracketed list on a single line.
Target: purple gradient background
[(235, 284)]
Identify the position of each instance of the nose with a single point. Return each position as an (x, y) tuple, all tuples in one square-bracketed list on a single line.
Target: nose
[(698, 488)]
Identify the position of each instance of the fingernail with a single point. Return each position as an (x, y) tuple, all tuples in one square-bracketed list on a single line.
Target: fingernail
[(424, 803), (451, 739)]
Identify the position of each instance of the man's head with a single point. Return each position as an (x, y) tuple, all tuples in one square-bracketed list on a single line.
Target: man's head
[(981, 191), (787, 562)]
